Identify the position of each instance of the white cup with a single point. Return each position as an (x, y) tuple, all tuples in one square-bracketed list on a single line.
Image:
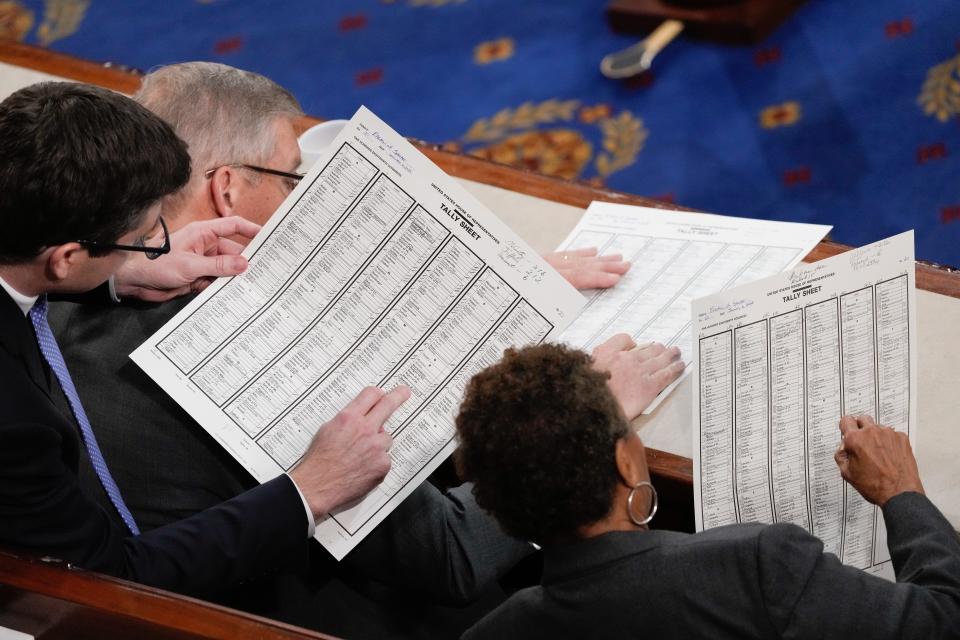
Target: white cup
[(315, 140)]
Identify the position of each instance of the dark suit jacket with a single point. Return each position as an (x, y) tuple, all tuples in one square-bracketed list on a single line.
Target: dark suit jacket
[(44, 510), (413, 575), (742, 581)]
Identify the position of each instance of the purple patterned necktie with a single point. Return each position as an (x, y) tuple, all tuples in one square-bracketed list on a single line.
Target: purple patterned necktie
[(51, 353)]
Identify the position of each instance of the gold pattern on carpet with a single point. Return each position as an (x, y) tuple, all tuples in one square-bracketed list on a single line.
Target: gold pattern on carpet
[(15, 20), (940, 96), (533, 136), (61, 18)]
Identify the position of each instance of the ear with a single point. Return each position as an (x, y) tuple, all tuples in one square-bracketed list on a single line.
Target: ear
[(631, 459), (224, 186), (64, 259)]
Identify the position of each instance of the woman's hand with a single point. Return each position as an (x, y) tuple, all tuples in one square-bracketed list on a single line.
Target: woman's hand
[(637, 374), (876, 460), (584, 269)]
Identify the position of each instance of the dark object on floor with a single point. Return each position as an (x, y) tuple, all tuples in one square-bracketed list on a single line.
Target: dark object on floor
[(727, 21)]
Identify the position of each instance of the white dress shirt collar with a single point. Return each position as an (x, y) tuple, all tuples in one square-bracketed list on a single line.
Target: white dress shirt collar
[(23, 301)]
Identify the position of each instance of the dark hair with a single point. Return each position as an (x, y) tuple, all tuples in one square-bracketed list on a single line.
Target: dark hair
[(538, 434), (79, 162)]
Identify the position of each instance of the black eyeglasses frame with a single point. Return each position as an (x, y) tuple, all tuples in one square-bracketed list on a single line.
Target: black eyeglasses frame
[(152, 253), (273, 172)]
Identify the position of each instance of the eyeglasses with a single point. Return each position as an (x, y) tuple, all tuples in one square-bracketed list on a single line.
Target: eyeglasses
[(296, 177), (152, 253)]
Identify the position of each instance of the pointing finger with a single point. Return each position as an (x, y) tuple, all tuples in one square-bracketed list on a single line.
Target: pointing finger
[(364, 401), (386, 405)]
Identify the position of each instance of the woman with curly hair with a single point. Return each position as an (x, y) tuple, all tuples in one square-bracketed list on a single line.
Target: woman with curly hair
[(554, 460)]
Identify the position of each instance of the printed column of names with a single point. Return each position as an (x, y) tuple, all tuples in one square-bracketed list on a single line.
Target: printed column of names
[(859, 366), (788, 434), (716, 431), (893, 373), (822, 339), (750, 428)]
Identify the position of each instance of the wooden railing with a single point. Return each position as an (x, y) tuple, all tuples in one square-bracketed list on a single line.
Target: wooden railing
[(51, 600)]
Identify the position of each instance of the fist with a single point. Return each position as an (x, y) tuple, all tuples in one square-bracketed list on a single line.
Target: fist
[(876, 460)]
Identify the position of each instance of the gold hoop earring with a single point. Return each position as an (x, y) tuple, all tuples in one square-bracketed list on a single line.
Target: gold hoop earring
[(653, 503)]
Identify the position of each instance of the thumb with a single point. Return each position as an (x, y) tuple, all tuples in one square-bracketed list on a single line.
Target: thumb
[(196, 267), (842, 458)]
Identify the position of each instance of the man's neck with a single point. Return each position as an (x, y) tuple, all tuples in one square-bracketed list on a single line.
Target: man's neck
[(24, 279), (198, 206)]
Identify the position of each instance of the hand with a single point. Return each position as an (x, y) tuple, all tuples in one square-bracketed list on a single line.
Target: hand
[(876, 460), (584, 269), (199, 253), (637, 374), (349, 455)]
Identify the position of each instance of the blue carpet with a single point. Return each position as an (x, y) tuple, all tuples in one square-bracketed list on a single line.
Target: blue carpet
[(847, 115)]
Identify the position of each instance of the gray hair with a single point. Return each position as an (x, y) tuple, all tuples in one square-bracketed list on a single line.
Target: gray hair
[(224, 114)]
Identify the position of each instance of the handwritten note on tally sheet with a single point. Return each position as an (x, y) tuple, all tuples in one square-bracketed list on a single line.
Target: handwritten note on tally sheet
[(378, 269), (676, 257), (779, 361)]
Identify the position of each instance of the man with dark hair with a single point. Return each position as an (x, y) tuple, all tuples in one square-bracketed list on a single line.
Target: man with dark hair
[(82, 172), (60, 190)]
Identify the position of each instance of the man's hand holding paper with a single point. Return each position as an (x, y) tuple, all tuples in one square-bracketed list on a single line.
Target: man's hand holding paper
[(200, 252)]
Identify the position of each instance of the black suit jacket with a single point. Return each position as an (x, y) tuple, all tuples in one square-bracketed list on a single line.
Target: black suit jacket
[(414, 575), (742, 581), (43, 508)]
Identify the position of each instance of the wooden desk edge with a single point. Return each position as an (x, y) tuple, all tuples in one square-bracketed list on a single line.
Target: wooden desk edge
[(171, 611)]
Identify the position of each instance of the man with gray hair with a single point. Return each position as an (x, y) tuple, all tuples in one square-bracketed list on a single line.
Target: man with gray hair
[(239, 127)]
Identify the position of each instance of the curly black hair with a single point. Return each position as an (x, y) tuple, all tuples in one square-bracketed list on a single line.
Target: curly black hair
[(538, 434)]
